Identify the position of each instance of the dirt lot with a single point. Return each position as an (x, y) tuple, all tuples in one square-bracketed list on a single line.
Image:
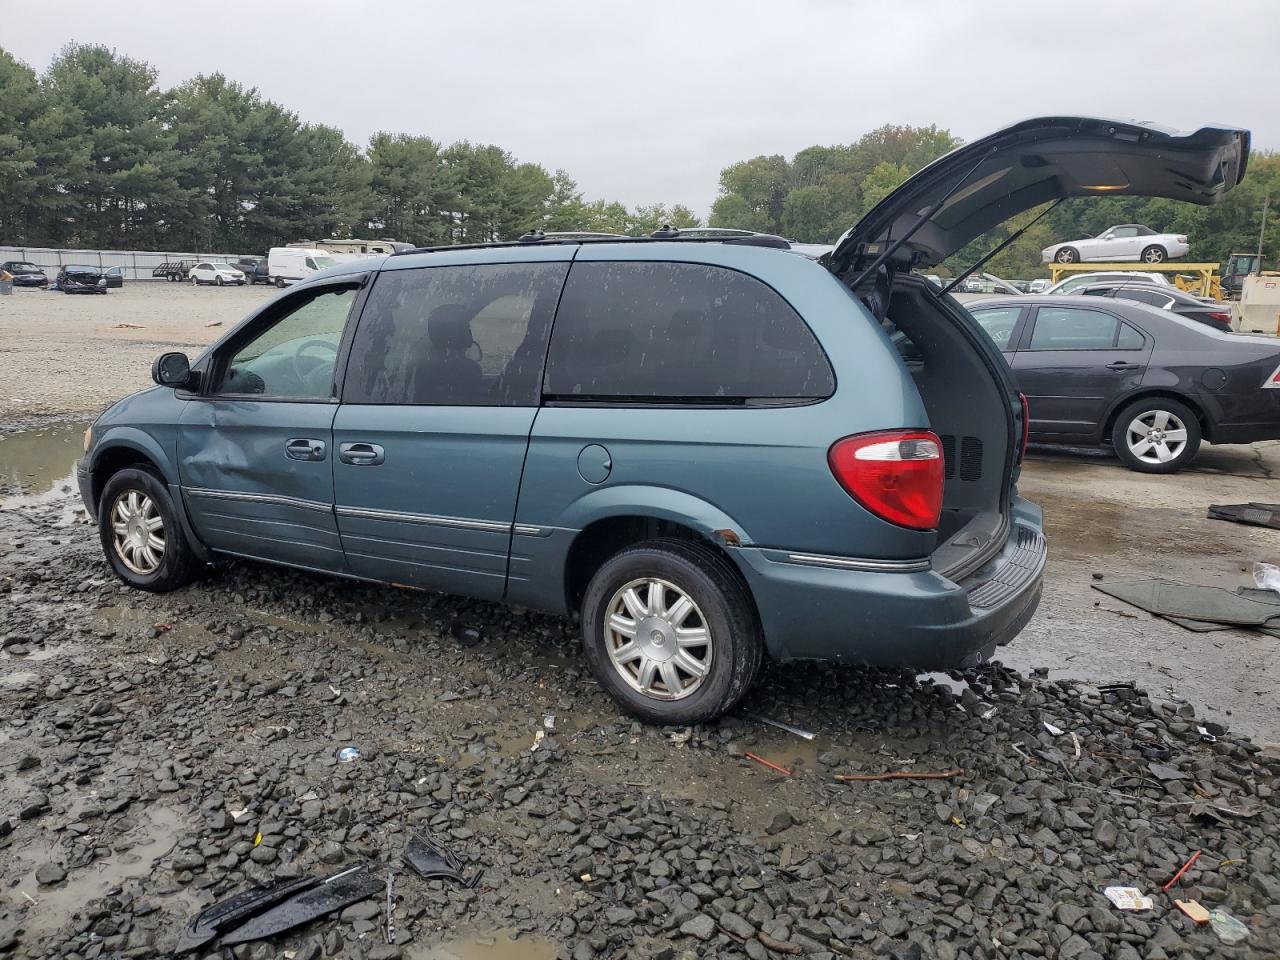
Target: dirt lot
[(160, 752), (69, 354)]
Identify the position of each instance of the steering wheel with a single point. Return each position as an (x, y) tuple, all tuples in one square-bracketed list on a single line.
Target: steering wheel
[(304, 374)]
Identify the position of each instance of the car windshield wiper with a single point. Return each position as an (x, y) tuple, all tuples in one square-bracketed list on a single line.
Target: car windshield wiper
[(960, 279)]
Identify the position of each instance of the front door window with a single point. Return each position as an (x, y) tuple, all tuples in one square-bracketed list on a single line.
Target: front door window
[(295, 355)]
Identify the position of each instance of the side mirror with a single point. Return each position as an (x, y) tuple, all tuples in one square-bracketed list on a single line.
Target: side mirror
[(171, 370)]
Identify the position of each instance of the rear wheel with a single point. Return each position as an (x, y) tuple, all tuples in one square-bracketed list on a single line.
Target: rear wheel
[(670, 632), (141, 535), (1067, 255), (1156, 435), (1154, 254), (280, 282)]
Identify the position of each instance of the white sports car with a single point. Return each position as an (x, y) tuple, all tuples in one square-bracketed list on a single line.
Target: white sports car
[(1126, 241)]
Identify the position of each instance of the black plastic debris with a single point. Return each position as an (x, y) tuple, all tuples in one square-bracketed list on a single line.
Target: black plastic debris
[(431, 860), (467, 635), (1250, 514), (226, 914), (337, 892)]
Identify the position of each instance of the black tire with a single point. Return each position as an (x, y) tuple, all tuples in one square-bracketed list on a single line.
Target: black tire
[(280, 282), (711, 581), (1067, 255), (217, 280), (177, 564), (1152, 407), (1154, 254)]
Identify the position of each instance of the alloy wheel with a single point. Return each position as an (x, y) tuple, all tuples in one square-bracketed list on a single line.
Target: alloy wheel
[(1156, 436), (657, 639), (1154, 255), (137, 532)]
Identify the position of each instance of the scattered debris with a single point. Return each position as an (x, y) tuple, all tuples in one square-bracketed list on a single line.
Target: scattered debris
[(898, 775), (771, 766), (1164, 773), (431, 860), (1249, 514), (1055, 730), (549, 722), (214, 323), (130, 326), (1178, 876), (538, 737), (330, 895), (1198, 607), (348, 754), (1228, 928), (681, 737), (787, 727), (1267, 576), (389, 933), (1128, 898), (1076, 743), (1193, 910), (1205, 735), (206, 925), (466, 634)]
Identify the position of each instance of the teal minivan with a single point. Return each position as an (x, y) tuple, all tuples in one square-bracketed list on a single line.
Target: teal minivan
[(708, 446)]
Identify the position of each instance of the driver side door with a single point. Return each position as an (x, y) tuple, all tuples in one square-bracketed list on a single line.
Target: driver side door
[(255, 446)]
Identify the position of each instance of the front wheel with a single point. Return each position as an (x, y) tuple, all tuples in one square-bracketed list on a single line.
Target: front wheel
[(1154, 254), (1157, 435), (670, 632), (1067, 255), (141, 534)]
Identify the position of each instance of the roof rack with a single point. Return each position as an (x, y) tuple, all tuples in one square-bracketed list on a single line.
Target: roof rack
[(666, 233)]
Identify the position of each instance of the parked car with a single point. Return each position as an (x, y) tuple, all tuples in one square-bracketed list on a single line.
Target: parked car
[(215, 272), (1039, 285), (1126, 241), (115, 276), (1078, 281), (286, 265), (706, 448), (1149, 381), (25, 274), (1216, 315), (253, 268), (75, 278)]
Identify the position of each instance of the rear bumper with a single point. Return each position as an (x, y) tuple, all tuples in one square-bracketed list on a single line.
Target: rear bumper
[(913, 618), (1245, 432)]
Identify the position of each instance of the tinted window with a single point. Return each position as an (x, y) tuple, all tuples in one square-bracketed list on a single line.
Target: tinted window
[(1125, 232), (1071, 328), (294, 356), (680, 330), (473, 335), (1129, 339), (999, 324)]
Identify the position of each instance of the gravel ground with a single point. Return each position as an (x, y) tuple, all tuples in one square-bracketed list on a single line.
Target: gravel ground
[(146, 742), (49, 341)]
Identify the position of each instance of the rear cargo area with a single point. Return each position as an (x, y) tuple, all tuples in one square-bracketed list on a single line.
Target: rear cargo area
[(969, 411)]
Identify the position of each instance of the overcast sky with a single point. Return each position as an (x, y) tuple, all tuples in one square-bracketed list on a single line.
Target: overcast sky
[(648, 101)]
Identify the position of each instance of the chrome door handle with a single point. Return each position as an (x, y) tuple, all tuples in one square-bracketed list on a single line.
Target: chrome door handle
[(361, 454), (302, 448)]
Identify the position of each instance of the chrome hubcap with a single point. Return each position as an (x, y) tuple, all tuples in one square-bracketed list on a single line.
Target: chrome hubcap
[(137, 532), (1156, 436), (658, 639)]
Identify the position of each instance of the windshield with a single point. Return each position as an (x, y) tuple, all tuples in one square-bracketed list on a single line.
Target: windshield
[(23, 268), (324, 262)]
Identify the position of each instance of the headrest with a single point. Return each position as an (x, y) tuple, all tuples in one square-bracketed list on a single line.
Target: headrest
[(449, 327)]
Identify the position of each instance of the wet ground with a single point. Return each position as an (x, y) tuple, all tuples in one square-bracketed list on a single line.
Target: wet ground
[(158, 752)]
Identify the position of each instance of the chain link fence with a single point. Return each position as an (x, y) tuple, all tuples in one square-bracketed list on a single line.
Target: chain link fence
[(137, 264)]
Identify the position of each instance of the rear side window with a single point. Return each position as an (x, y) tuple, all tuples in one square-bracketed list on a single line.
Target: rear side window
[(1072, 328), (680, 331), (471, 335), (999, 324)]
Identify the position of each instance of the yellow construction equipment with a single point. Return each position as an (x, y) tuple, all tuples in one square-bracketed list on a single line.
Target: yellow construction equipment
[(1200, 279)]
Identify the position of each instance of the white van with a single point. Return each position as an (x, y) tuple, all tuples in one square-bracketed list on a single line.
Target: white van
[(286, 265)]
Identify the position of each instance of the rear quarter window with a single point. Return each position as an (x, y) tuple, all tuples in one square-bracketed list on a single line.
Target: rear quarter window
[(680, 331)]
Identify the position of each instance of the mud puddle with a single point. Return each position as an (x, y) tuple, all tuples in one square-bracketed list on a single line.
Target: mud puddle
[(38, 465), (47, 909), (491, 946)]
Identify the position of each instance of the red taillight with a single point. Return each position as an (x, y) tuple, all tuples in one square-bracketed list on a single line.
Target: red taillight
[(1221, 317), (1026, 426), (896, 474)]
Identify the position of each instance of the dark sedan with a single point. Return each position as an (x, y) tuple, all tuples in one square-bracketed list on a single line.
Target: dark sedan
[(115, 276), (25, 274), (1148, 381), (1216, 315), (80, 279)]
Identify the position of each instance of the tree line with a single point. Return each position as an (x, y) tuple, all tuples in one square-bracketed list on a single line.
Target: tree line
[(93, 153), (821, 191)]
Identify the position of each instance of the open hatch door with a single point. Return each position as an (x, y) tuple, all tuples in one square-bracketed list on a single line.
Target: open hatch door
[(962, 195)]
